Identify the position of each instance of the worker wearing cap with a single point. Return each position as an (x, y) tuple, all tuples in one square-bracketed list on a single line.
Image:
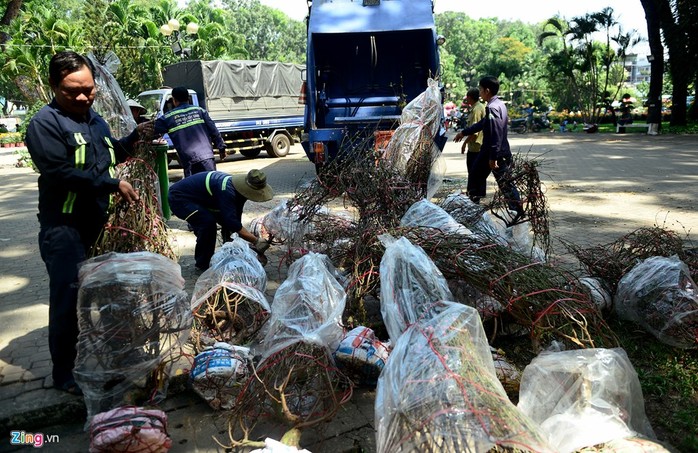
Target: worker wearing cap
[(206, 200), (191, 130)]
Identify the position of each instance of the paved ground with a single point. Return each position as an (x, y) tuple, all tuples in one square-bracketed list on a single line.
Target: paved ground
[(599, 187)]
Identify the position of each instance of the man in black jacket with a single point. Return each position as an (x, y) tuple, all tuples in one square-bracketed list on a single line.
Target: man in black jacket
[(75, 154)]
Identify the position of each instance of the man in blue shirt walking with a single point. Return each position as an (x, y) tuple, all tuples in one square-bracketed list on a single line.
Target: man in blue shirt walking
[(191, 130)]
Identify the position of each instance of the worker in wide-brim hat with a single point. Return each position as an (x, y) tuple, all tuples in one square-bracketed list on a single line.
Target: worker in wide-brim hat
[(206, 200), (137, 111)]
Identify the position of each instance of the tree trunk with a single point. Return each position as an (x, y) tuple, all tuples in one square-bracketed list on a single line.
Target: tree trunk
[(11, 12), (681, 67), (654, 97)]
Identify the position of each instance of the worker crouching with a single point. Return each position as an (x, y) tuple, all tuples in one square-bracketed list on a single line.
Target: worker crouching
[(206, 200)]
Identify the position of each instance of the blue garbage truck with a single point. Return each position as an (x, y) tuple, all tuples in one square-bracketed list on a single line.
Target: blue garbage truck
[(253, 103), (366, 59)]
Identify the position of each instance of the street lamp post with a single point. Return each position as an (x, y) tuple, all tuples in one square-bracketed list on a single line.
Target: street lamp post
[(171, 31)]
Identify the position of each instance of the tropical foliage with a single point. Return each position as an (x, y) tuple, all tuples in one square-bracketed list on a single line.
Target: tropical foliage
[(574, 64)]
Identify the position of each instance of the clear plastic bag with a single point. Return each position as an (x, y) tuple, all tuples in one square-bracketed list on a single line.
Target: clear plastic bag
[(410, 285), (228, 302), (133, 315), (439, 391), (412, 143), (110, 101), (236, 262), (424, 213), (307, 307), (659, 295), (584, 397)]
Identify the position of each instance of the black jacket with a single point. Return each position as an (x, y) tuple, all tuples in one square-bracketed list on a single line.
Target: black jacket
[(76, 159)]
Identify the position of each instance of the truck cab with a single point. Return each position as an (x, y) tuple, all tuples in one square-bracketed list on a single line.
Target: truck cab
[(365, 61)]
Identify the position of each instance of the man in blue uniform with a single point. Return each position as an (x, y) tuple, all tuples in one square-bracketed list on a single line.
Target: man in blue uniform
[(75, 154), (495, 153), (206, 200), (191, 131)]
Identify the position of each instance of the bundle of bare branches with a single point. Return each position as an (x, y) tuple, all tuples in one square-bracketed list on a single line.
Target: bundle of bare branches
[(134, 319), (439, 392), (227, 315), (138, 226), (550, 302), (228, 301), (296, 380), (526, 177), (609, 262)]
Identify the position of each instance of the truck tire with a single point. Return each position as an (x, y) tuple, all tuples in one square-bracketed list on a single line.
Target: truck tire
[(279, 146), (250, 152)]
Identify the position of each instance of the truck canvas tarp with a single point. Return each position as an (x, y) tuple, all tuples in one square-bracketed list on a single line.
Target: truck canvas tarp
[(366, 61), (240, 88), (254, 104)]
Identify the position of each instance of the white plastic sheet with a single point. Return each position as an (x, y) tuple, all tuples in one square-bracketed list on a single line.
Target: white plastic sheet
[(439, 391), (584, 397), (424, 213), (410, 285), (659, 295), (308, 306)]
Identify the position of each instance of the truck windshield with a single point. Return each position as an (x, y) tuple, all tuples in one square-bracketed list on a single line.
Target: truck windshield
[(151, 102)]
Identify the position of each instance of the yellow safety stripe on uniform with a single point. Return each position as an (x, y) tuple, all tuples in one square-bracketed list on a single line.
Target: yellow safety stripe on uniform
[(208, 183), (79, 139), (69, 202), (178, 111), (112, 156), (225, 181), (184, 126)]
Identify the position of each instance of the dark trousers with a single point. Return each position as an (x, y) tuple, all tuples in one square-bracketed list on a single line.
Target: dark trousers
[(204, 224), (62, 249), (201, 166), (502, 175)]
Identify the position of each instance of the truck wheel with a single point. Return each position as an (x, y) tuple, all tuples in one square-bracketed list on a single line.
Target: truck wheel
[(279, 146), (250, 152)]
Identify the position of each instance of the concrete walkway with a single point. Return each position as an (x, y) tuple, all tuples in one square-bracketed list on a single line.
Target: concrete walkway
[(599, 187)]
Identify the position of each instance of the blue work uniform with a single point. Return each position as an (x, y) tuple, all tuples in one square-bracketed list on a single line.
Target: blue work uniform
[(495, 146), (191, 130), (206, 200), (75, 158)]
